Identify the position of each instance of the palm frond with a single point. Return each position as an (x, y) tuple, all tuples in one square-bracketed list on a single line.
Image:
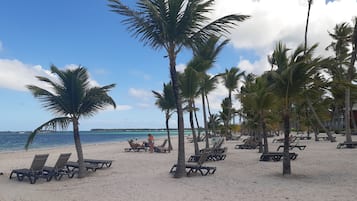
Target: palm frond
[(53, 124)]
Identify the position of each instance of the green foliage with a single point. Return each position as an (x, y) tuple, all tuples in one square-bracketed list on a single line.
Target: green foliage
[(70, 97)]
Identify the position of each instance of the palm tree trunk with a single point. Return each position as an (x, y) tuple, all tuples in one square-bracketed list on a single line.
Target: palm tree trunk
[(307, 24), (197, 124), (331, 138), (348, 114), (168, 131), (195, 141), (352, 64), (205, 119), (180, 169), (229, 114), (265, 137), (286, 155), (210, 114), (77, 142)]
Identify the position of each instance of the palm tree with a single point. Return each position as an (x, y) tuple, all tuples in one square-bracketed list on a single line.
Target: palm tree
[(342, 71), (189, 91), (204, 57), (230, 80), (207, 84), (259, 98), (309, 102), (173, 25), (166, 102), (71, 97), (289, 80)]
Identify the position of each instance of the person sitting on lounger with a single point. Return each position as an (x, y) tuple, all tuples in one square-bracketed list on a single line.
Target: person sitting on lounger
[(134, 144)]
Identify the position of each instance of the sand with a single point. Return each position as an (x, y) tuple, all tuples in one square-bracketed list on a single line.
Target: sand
[(321, 173)]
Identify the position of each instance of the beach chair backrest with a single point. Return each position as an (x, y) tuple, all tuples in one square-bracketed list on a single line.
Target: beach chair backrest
[(219, 143), (39, 162), (202, 158), (62, 160), (164, 143)]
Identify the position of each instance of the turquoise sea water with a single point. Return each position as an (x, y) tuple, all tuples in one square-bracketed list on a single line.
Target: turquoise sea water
[(13, 141)]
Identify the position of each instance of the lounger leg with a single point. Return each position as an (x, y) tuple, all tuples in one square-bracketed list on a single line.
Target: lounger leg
[(20, 176)]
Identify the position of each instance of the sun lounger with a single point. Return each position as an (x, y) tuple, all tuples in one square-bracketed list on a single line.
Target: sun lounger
[(280, 140), (161, 148), (216, 148), (291, 147), (352, 144), (135, 147), (276, 156), (74, 166), (245, 146), (34, 172), (191, 167), (99, 163), (215, 156), (303, 137), (324, 138), (59, 169)]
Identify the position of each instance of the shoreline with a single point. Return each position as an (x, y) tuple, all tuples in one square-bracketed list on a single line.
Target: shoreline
[(320, 173)]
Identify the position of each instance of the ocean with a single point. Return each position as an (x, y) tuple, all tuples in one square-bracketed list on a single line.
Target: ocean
[(15, 141)]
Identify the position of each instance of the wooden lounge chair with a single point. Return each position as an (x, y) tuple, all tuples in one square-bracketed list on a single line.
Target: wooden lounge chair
[(99, 163), (59, 169), (196, 167), (34, 172), (135, 147), (276, 156)]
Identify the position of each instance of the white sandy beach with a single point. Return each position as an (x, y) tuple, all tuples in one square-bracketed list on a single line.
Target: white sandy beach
[(320, 173)]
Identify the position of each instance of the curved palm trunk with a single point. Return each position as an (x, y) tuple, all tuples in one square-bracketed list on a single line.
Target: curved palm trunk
[(168, 130), (197, 124), (195, 141), (77, 142), (180, 170), (210, 114), (319, 120), (286, 155), (307, 23), (205, 119)]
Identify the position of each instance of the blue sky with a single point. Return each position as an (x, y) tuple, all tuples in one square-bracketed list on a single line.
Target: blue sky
[(36, 34)]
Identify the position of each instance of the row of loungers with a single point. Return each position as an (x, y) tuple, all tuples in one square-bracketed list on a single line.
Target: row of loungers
[(61, 168)]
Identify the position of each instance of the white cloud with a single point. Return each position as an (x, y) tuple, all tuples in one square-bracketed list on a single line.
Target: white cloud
[(16, 75), (140, 93), (144, 105), (123, 107), (181, 67), (282, 20)]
